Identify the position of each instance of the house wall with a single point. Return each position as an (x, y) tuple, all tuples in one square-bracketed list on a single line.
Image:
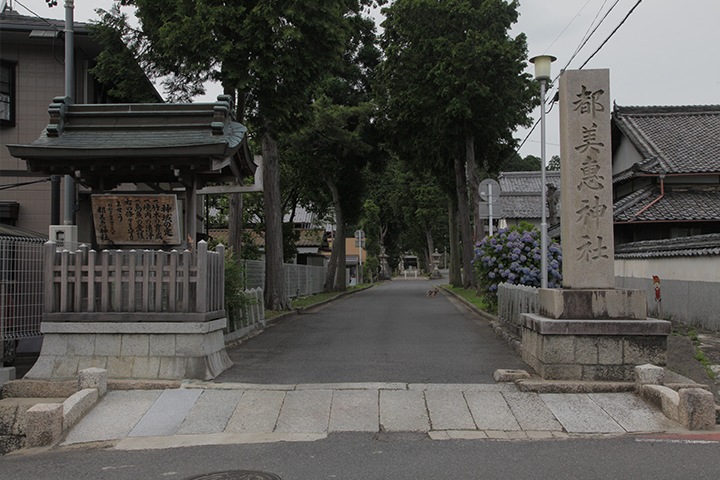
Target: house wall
[(689, 287), (39, 77), (625, 156)]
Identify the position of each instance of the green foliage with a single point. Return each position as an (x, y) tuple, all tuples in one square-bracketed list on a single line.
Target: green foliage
[(236, 301), (530, 163), (451, 69), (117, 65), (554, 163), (371, 268), (513, 256)]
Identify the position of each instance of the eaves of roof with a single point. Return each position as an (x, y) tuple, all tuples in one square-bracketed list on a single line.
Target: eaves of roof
[(676, 204), (674, 247)]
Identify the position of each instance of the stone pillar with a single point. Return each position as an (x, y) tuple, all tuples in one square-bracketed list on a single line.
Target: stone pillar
[(588, 330), (586, 180)]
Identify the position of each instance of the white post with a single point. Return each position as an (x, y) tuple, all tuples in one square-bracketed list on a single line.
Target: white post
[(543, 201), (490, 205)]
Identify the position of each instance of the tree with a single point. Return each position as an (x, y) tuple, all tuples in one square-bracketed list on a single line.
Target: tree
[(268, 54), (453, 80), (554, 163), (516, 163)]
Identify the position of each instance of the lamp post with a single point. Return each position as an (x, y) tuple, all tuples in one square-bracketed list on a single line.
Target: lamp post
[(542, 74)]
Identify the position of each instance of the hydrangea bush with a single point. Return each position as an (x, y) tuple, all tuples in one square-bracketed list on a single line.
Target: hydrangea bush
[(513, 256)]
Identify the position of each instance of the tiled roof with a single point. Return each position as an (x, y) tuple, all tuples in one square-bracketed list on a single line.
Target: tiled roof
[(673, 247), (526, 182), (520, 193), (684, 139), (678, 203)]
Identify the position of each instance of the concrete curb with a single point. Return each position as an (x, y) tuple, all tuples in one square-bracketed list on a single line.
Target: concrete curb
[(300, 310)]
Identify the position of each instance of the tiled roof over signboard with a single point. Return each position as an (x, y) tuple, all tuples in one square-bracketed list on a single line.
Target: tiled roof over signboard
[(151, 142), (672, 140)]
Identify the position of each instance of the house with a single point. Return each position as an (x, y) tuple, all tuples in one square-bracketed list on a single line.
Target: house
[(32, 74), (520, 197), (666, 172)]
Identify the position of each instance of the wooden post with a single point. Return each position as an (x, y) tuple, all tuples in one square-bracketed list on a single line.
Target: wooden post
[(159, 266), (191, 212), (64, 281), (220, 287), (146, 281), (201, 277), (132, 262), (49, 294), (187, 259), (119, 258), (172, 281), (105, 282), (92, 255), (80, 256)]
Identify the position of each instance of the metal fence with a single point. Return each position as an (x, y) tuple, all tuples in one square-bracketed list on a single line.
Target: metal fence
[(300, 280), (21, 287)]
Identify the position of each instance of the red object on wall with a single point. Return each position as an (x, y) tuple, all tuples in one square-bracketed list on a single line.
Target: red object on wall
[(656, 284)]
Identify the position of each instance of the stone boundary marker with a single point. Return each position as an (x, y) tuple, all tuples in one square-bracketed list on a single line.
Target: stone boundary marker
[(44, 423), (692, 407)]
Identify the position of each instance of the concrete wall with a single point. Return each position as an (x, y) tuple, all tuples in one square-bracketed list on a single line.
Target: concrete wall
[(689, 287)]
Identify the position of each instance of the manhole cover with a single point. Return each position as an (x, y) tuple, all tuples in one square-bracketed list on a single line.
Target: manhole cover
[(237, 475)]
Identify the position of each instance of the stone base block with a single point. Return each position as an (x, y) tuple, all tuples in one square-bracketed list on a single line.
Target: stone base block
[(167, 350), (696, 409), (75, 407), (592, 349), (44, 424), (93, 378), (610, 304), (7, 374), (649, 375)]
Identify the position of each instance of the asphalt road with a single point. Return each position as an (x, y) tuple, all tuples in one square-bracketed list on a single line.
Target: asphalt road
[(391, 333), (359, 456)]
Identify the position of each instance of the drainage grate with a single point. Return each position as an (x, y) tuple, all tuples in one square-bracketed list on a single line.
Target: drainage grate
[(237, 475)]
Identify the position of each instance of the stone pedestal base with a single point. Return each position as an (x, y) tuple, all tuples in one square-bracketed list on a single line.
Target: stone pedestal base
[(139, 350), (592, 349)]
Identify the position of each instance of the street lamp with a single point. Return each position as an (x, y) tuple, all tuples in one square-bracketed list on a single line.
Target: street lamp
[(542, 75)]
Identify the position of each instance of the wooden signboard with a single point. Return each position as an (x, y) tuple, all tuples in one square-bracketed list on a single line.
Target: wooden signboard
[(150, 220)]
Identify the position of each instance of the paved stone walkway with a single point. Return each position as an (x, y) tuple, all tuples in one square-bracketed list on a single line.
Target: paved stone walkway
[(204, 413)]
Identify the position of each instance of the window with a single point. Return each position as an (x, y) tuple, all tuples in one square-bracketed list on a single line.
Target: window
[(7, 93)]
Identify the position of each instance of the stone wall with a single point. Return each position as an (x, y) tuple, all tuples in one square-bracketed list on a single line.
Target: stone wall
[(154, 350), (591, 357)]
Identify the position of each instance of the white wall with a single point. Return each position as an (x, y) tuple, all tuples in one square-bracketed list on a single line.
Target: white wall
[(689, 287)]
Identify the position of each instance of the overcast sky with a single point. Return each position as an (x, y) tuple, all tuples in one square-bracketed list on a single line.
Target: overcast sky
[(666, 52)]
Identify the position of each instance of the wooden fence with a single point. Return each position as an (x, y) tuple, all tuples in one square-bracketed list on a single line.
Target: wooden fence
[(134, 286)]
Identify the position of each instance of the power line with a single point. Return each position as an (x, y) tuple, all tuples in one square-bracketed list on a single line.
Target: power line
[(611, 34), (568, 25)]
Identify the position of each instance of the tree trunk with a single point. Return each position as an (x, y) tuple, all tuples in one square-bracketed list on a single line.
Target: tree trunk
[(465, 227), (335, 279), (455, 255), (474, 183), (428, 236), (275, 295), (235, 216)]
